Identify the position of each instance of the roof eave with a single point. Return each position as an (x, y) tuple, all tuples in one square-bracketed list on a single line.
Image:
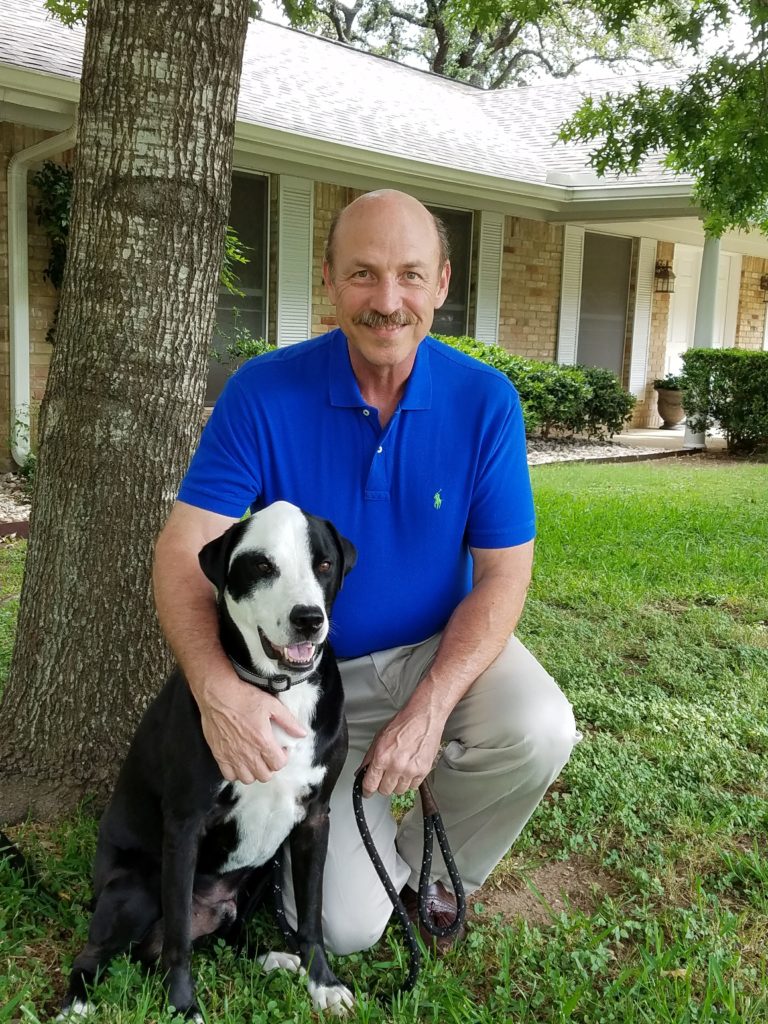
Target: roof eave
[(289, 152)]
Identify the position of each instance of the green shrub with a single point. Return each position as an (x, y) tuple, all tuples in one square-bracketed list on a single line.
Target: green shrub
[(245, 346), (575, 399), (729, 387), (27, 472), (609, 406)]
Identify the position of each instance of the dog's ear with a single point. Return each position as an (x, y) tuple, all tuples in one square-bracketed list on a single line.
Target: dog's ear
[(346, 549), (214, 557)]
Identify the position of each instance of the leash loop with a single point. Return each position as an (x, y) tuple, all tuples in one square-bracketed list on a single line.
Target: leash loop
[(433, 823)]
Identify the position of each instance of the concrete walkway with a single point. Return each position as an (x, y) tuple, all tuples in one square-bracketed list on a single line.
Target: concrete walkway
[(655, 437)]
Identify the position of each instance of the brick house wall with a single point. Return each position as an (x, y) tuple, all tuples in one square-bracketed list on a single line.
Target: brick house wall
[(328, 199), (42, 294), (750, 320), (530, 287)]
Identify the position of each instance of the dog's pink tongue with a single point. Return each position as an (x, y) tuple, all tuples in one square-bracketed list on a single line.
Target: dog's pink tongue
[(300, 652)]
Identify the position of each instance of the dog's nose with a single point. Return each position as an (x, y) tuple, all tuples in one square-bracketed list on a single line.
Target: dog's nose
[(307, 619)]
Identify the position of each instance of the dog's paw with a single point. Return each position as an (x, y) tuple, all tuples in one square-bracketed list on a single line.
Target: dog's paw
[(274, 960), (335, 999), (77, 1008)]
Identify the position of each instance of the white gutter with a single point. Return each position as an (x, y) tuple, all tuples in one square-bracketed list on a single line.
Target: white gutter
[(18, 283), (294, 151)]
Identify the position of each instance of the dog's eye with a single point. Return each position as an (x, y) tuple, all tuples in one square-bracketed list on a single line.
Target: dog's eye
[(265, 568), (324, 566)]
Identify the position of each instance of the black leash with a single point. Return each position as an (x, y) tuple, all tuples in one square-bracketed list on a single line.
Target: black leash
[(433, 823)]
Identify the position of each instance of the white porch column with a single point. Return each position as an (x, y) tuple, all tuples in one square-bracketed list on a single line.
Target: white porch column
[(641, 323), (704, 330)]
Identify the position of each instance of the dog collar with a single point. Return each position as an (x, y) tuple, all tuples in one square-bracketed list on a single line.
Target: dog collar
[(272, 684)]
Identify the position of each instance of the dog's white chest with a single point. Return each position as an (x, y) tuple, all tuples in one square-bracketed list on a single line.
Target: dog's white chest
[(266, 812)]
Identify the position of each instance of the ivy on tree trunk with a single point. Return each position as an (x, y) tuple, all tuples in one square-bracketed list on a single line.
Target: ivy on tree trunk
[(122, 408)]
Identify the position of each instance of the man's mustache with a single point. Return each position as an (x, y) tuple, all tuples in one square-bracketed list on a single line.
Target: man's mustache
[(370, 318)]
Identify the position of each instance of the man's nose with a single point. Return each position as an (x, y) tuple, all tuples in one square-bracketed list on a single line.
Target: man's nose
[(386, 298)]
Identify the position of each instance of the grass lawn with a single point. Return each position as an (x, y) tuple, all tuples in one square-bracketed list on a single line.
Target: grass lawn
[(650, 607)]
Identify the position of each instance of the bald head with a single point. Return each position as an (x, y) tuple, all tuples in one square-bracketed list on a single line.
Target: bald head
[(393, 206)]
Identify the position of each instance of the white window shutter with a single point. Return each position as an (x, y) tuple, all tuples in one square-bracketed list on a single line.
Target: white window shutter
[(294, 262), (490, 252), (641, 324), (570, 294)]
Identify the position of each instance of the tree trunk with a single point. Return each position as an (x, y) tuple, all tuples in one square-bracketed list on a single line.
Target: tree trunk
[(122, 408)]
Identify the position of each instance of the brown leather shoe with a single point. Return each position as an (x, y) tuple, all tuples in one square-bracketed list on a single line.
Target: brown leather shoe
[(441, 911)]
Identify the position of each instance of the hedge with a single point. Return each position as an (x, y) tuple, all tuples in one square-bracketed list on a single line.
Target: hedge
[(575, 399), (728, 387)]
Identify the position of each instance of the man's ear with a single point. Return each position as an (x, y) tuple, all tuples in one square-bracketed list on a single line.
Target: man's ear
[(443, 283), (330, 287), (214, 557)]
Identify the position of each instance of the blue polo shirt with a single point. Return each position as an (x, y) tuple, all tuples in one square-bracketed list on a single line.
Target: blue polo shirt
[(448, 471)]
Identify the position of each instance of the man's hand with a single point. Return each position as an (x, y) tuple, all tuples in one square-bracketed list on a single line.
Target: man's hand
[(402, 754), (240, 723)]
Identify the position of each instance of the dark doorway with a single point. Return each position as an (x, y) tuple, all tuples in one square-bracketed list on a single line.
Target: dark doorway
[(604, 295)]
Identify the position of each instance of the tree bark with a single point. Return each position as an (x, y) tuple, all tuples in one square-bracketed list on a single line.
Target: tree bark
[(122, 408)]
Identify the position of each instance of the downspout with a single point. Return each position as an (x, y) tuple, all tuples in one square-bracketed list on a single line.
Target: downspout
[(18, 283)]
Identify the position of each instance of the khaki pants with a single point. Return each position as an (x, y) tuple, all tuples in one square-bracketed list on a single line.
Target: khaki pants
[(506, 742)]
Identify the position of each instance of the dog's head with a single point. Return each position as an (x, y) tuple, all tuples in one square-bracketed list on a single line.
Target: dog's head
[(277, 574)]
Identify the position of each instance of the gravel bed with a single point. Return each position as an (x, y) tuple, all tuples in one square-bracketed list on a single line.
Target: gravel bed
[(569, 449), (14, 501)]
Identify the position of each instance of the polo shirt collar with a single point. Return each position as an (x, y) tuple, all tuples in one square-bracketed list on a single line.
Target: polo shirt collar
[(345, 392)]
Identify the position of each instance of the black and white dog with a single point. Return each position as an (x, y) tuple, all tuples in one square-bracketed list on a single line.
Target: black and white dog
[(181, 852)]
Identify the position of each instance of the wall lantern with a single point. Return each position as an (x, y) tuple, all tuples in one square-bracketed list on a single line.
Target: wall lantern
[(764, 287), (665, 278)]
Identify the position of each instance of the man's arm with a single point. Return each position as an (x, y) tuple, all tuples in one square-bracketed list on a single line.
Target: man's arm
[(403, 753), (236, 717)]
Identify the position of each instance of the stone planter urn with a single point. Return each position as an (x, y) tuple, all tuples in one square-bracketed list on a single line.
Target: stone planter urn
[(669, 401)]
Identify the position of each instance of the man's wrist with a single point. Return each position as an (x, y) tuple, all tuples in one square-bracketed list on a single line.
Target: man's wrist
[(212, 683), (429, 702)]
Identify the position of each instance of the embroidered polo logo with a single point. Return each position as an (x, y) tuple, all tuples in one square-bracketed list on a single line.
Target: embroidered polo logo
[(437, 500)]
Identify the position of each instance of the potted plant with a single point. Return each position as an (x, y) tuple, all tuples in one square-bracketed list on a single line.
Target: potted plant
[(669, 400)]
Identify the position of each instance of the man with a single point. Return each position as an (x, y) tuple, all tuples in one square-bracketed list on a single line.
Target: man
[(417, 454)]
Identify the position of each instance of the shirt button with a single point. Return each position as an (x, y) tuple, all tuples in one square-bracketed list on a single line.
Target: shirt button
[(366, 412), (379, 450)]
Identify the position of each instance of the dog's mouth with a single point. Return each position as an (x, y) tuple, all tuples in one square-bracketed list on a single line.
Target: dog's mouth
[(294, 656)]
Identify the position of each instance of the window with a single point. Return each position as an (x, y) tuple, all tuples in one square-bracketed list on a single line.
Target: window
[(451, 318), (248, 215)]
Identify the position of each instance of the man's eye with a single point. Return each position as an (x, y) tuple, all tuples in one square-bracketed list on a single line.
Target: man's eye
[(360, 274), (412, 275), (324, 566)]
